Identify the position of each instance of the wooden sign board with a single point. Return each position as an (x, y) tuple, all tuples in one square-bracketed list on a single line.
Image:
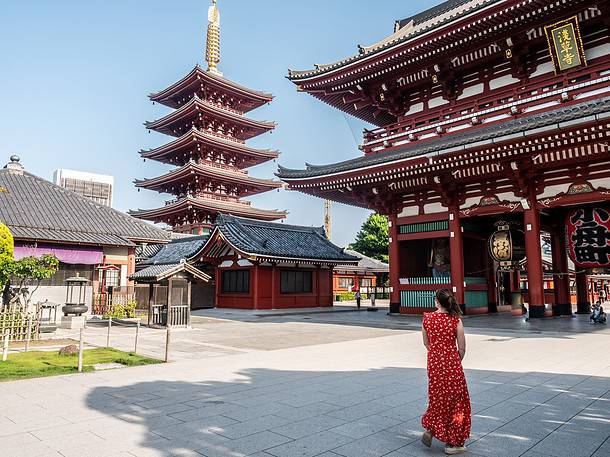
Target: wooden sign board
[(565, 44)]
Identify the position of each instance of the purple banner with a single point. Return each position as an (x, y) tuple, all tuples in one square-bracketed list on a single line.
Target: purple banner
[(73, 255)]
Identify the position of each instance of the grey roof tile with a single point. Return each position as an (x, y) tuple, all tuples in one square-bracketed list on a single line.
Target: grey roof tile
[(34, 208), (280, 240), (159, 272), (365, 264), (178, 250)]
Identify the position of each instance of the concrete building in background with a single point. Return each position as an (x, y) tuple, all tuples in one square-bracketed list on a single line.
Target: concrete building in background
[(93, 186)]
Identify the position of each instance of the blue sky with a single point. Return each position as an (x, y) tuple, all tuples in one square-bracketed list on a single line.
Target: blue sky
[(75, 75)]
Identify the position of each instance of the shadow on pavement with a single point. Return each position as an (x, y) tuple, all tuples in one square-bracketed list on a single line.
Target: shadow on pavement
[(500, 325), (265, 412)]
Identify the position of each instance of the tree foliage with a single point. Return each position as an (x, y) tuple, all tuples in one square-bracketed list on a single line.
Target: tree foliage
[(31, 271), (372, 240), (7, 246)]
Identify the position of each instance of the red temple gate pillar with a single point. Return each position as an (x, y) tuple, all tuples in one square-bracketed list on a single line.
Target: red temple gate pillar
[(561, 281), (394, 262), (582, 293), (456, 247), (533, 252)]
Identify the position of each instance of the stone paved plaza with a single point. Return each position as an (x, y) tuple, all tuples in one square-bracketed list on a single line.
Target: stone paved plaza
[(340, 384)]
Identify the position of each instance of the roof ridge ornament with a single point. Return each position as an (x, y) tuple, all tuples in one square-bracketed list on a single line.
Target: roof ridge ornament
[(212, 49), (14, 166)]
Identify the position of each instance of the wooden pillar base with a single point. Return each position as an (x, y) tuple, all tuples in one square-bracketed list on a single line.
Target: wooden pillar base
[(562, 309), (394, 308), (536, 311), (583, 308)]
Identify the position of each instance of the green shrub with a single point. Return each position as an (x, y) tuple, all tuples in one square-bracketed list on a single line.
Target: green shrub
[(349, 296), (121, 310)]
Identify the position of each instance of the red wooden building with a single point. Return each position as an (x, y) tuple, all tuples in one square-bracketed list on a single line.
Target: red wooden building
[(265, 265), (492, 126), (211, 128)]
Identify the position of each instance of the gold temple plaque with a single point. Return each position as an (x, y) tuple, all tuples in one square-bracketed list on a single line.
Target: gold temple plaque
[(565, 44)]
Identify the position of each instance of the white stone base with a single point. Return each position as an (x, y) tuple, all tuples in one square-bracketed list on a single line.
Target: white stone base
[(72, 322)]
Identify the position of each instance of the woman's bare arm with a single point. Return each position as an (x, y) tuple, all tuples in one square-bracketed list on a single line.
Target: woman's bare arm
[(461, 340), (424, 336)]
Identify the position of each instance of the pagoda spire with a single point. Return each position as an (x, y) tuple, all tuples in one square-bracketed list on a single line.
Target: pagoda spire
[(212, 49)]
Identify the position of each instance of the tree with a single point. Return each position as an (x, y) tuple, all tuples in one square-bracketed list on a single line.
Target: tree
[(372, 240), (31, 270), (7, 246)]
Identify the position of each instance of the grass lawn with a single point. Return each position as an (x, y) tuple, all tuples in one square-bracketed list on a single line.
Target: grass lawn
[(34, 364)]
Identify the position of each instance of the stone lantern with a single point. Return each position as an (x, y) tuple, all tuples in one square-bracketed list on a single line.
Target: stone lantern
[(76, 299)]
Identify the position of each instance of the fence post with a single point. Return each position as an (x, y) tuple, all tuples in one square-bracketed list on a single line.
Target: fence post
[(135, 344), (5, 348), (28, 336), (108, 336), (167, 343), (80, 351)]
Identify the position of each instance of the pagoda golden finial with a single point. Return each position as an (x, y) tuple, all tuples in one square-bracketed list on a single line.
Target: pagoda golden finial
[(212, 49)]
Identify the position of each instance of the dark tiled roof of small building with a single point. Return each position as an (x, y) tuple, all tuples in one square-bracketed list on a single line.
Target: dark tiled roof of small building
[(159, 272), (36, 209), (182, 249), (455, 140), (269, 239)]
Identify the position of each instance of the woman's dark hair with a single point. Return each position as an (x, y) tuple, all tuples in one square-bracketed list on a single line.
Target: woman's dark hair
[(447, 301)]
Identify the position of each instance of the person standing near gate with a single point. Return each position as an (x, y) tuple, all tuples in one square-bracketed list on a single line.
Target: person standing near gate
[(448, 416), (358, 298)]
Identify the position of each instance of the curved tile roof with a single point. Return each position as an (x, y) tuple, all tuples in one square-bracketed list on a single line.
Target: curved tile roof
[(178, 250), (34, 208), (417, 25), (515, 126), (270, 239)]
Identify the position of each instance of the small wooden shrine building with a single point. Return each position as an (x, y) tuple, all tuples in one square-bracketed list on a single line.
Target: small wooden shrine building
[(176, 283), (492, 127)]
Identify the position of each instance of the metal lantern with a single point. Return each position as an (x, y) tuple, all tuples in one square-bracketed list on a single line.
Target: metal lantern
[(507, 246), (76, 293)]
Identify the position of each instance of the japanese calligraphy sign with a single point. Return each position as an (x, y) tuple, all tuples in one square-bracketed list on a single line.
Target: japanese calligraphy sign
[(588, 237), (565, 44)]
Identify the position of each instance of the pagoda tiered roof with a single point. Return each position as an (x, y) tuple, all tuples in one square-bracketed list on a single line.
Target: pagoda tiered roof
[(213, 206), (181, 150), (210, 150), (201, 173), (189, 113), (173, 95)]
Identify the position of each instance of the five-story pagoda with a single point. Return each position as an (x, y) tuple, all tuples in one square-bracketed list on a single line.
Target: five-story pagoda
[(210, 148)]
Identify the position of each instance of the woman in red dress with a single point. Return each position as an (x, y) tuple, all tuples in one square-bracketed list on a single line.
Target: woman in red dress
[(448, 415)]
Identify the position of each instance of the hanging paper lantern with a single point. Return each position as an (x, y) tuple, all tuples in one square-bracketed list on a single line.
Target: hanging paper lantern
[(588, 237), (507, 246)]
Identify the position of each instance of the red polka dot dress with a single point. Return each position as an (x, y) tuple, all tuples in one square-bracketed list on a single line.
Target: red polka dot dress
[(448, 413)]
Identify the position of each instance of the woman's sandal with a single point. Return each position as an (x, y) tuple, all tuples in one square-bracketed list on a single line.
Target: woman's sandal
[(426, 438), (452, 450)]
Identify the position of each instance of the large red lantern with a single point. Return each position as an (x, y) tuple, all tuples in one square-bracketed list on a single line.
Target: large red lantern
[(588, 237)]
